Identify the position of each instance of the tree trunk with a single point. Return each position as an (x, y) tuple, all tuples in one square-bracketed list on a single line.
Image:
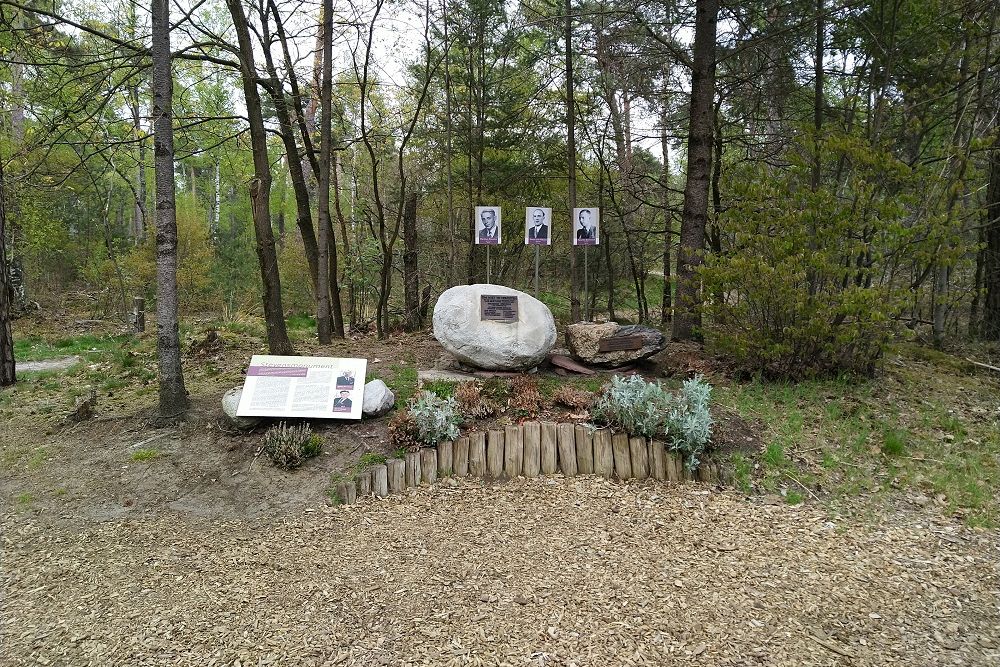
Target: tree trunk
[(324, 321), (687, 317), (411, 282), (574, 295), (139, 208), (260, 189), (7, 363), (345, 240), (173, 397), (990, 329), (665, 304), (303, 211)]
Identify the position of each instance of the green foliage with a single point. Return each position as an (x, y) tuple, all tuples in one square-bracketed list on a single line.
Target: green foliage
[(804, 288), (370, 459), (288, 446), (144, 454), (648, 409), (893, 442), (435, 419), (441, 388)]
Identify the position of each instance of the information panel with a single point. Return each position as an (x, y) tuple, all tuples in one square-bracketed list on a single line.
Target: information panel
[(498, 307), (303, 387)]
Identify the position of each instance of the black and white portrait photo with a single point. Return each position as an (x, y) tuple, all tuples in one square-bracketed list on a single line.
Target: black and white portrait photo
[(536, 225), (487, 225), (343, 402), (586, 226), (345, 380)]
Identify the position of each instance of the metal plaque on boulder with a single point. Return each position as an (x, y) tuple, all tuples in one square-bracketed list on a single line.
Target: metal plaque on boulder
[(617, 343), (498, 308)]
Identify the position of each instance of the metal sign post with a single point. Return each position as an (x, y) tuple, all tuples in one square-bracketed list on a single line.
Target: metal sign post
[(536, 272), (487, 265), (586, 285)]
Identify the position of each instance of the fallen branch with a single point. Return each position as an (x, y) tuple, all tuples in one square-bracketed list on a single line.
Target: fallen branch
[(982, 365)]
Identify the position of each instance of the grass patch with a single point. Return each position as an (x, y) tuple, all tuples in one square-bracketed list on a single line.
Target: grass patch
[(35, 348), (301, 322), (922, 425), (742, 472), (894, 442), (144, 454), (404, 383), (441, 388), (369, 460)]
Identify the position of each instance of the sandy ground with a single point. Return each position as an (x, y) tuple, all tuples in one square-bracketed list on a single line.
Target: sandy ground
[(529, 572)]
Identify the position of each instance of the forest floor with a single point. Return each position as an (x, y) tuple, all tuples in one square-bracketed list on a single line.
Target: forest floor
[(858, 525)]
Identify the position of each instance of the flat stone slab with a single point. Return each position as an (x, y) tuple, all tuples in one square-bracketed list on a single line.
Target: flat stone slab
[(436, 375), (60, 364)]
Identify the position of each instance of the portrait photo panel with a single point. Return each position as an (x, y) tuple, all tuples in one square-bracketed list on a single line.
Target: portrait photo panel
[(538, 225), (586, 226), (488, 225)]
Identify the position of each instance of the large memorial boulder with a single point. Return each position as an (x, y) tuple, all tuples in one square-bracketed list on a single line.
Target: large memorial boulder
[(611, 344), (378, 400), (507, 330), (230, 403)]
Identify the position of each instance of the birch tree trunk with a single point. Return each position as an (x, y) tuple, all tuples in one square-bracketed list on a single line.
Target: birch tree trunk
[(173, 397)]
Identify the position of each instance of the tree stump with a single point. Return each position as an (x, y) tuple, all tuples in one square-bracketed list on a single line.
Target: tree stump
[(567, 449), (604, 458), (412, 469), (623, 459), (584, 449), (365, 484), (657, 460), (348, 493), (380, 481), (396, 469), (532, 436), (513, 451), (494, 454), (138, 314), (550, 459), (446, 460), (477, 454), (428, 465), (460, 456), (640, 457)]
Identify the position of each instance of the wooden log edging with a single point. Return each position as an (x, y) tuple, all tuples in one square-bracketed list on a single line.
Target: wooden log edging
[(528, 450)]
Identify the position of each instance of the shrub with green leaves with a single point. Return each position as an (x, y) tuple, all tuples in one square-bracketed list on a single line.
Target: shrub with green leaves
[(808, 284), (288, 446), (638, 407), (434, 419)]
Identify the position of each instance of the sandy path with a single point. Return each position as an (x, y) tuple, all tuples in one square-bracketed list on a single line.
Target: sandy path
[(531, 572)]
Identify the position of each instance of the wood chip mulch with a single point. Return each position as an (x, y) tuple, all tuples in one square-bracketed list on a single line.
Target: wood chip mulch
[(545, 571)]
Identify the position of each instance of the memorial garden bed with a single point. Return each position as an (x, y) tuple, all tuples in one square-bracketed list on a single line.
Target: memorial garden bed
[(529, 449)]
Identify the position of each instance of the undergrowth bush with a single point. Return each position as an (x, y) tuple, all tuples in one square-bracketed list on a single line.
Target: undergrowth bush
[(638, 407), (288, 446), (807, 283), (428, 420)]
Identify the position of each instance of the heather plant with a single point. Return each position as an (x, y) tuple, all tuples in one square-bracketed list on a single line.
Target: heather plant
[(288, 446)]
